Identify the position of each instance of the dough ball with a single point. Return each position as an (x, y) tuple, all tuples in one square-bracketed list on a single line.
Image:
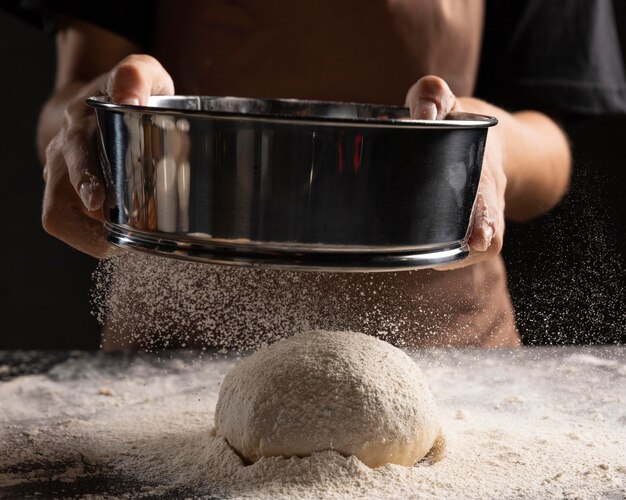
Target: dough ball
[(319, 390)]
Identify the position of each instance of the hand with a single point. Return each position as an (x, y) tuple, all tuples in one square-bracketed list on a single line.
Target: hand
[(431, 99), (75, 193)]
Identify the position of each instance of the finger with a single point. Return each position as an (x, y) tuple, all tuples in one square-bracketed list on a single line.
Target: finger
[(56, 163), (430, 98), (78, 140), (136, 78), (482, 228), (486, 226), (79, 153), (63, 215)]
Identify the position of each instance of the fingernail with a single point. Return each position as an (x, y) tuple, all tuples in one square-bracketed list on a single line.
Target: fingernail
[(87, 192), (426, 110), (132, 101)]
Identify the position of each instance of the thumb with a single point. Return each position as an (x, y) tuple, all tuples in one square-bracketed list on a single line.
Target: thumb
[(430, 98), (136, 78)]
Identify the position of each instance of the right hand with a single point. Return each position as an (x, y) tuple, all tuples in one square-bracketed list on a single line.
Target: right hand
[(74, 195)]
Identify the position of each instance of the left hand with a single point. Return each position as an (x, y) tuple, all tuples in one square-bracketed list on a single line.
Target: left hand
[(431, 99)]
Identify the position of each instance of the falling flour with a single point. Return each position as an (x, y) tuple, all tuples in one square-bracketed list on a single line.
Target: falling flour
[(528, 423), (149, 302)]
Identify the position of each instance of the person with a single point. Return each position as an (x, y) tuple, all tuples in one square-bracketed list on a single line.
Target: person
[(424, 53)]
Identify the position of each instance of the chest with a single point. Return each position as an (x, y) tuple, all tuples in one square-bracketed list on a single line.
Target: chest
[(338, 50)]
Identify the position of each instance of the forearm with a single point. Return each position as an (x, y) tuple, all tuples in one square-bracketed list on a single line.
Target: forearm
[(536, 158), (84, 52)]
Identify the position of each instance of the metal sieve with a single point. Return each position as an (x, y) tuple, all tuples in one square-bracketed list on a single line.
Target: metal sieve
[(289, 183)]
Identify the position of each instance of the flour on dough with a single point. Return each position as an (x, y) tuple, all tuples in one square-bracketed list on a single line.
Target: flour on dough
[(320, 390)]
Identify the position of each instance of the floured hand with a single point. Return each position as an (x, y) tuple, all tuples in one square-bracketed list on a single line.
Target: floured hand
[(431, 99)]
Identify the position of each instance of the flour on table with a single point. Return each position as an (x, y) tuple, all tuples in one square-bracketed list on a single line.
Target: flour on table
[(518, 424)]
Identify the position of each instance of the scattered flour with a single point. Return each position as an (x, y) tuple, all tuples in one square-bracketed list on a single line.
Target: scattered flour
[(530, 423)]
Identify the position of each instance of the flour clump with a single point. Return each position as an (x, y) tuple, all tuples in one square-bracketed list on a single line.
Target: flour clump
[(319, 390)]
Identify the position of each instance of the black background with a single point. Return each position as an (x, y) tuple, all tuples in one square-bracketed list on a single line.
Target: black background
[(567, 269)]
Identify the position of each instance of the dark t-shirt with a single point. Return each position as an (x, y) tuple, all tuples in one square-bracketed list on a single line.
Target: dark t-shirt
[(558, 57), (554, 56)]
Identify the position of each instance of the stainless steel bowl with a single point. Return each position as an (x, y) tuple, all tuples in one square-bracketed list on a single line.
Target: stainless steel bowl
[(288, 183)]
